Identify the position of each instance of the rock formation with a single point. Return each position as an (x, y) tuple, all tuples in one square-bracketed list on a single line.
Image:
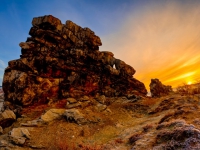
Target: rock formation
[(63, 60), (157, 89)]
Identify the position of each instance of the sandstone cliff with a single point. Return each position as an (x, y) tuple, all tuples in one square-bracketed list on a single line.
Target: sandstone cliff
[(63, 60)]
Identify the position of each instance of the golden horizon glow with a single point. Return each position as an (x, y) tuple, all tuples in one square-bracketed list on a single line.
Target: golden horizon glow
[(160, 42)]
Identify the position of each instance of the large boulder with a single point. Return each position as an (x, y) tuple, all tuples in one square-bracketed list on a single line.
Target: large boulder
[(63, 60), (157, 89)]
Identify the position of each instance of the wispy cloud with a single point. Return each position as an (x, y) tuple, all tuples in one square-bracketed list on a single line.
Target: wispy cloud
[(2, 64), (160, 41)]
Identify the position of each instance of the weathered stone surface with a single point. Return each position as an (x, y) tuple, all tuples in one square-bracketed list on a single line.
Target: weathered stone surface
[(19, 135), (101, 99), (181, 136), (100, 107), (7, 118), (63, 60), (52, 114), (73, 105), (20, 132), (158, 89), (73, 115), (71, 100)]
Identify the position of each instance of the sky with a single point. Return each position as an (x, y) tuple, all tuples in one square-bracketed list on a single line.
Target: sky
[(159, 39)]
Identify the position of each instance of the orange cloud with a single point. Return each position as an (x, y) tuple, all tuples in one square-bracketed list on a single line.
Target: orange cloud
[(160, 41)]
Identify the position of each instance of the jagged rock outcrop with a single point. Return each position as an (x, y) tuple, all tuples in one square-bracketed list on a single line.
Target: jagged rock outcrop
[(157, 89), (63, 60)]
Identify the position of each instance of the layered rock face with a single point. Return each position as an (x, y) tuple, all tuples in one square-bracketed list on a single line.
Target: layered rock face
[(157, 89), (63, 60)]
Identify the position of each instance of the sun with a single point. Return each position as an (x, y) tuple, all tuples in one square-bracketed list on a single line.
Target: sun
[(189, 83)]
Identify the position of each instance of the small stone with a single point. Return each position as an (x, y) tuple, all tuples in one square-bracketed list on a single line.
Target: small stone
[(19, 135), (52, 114), (20, 132), (101, 99), (108, 110), (71, 100), (100, 107), (84, 98), (74, 115), (8, 114), (37, 146), (73, 105), (33, 123)]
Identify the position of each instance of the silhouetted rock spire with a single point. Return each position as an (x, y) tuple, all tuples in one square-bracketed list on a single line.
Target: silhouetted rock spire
[(158, 89)]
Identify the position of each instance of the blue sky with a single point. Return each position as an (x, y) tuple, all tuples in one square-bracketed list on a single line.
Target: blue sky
[(101, 16), (160, 39)]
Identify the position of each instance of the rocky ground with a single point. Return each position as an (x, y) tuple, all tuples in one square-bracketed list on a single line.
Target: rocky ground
[(137, 123)]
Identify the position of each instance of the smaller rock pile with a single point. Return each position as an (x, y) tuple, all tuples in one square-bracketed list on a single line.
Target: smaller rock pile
[(157, 89)]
